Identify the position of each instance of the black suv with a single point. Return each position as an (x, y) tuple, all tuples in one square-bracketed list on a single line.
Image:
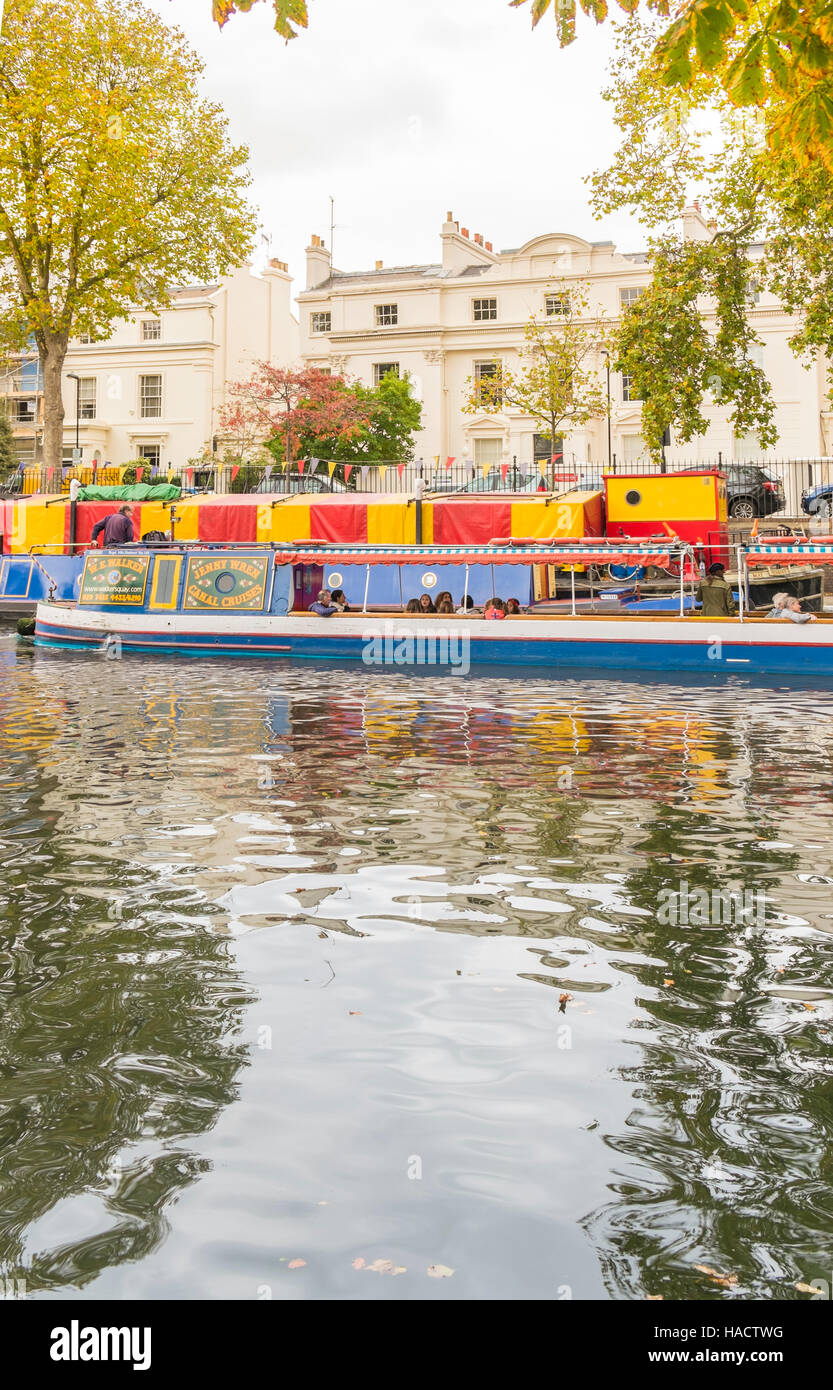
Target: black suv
[(751, 492)]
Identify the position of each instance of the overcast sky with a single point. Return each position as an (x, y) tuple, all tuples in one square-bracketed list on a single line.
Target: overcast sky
[(402, 109)]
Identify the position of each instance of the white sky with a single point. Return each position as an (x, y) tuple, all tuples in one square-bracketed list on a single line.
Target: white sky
[(402, 109)]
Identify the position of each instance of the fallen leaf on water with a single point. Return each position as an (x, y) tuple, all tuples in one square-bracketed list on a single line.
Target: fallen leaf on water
[(781, 969), (439, 1272), (323, 1204), (297, 1264), (563, 1001), (654, 1297), (806, 1288), (322, 936), (355, 1013), (811, 1008), (668, 982), (726, 1279), (386, 1267), (359, 1263)]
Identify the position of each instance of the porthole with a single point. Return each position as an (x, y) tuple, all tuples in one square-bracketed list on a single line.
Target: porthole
[(429, 580), (633, 498)]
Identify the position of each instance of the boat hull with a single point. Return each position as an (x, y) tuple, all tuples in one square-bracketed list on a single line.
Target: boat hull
[(614, 643)]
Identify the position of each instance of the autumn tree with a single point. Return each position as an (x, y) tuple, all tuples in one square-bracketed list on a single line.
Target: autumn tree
[(8, 452), (675, 363), (558, 382), (394, 415), (295, 405), (117, 180)]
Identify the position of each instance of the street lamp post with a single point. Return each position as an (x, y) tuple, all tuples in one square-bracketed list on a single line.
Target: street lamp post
[(73, 376)]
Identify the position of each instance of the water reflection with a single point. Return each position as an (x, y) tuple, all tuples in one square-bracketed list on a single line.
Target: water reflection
[(196, 853)]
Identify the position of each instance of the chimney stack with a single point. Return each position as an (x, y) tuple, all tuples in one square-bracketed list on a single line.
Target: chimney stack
[(318, 263)]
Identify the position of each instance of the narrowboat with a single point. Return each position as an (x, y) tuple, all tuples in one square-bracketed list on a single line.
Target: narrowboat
[(255, 601)]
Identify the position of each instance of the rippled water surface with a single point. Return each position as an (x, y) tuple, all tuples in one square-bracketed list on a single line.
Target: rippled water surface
[(284, 953)]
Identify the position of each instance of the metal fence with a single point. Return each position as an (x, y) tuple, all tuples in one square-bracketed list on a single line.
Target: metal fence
[(779, 488)]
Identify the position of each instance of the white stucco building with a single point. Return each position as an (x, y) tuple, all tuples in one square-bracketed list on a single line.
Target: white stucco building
[(450, 321), (153, 389)]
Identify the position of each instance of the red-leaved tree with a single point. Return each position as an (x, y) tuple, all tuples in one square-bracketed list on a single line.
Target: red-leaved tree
[(280, 401)]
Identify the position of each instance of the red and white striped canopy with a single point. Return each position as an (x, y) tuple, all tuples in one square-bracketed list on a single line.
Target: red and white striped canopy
[(579, 554), (790, 553)]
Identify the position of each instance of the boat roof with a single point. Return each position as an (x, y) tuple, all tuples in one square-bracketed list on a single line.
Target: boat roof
[(817, 552)]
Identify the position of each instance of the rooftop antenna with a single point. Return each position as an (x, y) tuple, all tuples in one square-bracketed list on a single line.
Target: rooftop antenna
[(266, 238), (332, 230)]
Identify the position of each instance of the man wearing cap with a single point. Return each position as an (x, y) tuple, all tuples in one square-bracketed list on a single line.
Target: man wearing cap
[(715, 594)]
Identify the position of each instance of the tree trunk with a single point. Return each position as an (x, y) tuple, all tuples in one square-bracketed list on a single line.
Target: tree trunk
[(53, 351)]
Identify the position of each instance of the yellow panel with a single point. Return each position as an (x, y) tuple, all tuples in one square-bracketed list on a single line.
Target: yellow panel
[(427, 523), (43, 526), (153, 516), (187, 521), (290, 521), (264, 524), (157, 571), (540, 522), (659, 497), (391, 523)]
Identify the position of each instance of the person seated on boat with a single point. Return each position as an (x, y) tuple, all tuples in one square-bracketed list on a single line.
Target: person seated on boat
[(495, 608), (412, 606), (513, 608), (426, 604), (789, 607), (340, 601), (151, 536), (117, 528), (324, 606), (467, 608), (445, 606), (444, 597), (714, 594)]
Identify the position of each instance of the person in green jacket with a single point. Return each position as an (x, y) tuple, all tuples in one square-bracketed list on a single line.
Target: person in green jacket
[(715, 594)]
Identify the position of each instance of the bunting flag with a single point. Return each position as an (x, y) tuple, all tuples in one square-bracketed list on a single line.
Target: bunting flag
[(235, 469), (301, 465), (542, 465), (485, 470), (348, 469), (437, 460), (383, 468), (504, 469), (331, 467), (49, 474), (189, 476), (450, 460), (469, 468), (365, 472), (171, 475), (284, 465), (313, 463), (400, 468), (139, 472)]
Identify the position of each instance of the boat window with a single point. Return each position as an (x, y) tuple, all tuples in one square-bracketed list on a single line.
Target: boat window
[(165, 581)]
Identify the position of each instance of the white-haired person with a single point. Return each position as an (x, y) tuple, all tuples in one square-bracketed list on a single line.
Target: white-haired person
[(786, 606)]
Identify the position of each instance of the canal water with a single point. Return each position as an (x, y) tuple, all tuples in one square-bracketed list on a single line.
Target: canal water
[(327, 983)]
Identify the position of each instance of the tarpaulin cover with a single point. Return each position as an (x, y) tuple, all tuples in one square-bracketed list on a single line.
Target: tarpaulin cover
[(339, 521), (134, 492), (461, 523), (222, 522)]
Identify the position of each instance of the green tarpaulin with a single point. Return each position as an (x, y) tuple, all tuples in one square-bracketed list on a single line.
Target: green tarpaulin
[(134, 492)]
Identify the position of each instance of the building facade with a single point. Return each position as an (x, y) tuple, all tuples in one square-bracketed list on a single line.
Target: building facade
[(153, 389), (448, 323)]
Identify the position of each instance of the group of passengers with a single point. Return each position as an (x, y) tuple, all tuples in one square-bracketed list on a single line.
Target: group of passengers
[(329, 603), (717, 600)]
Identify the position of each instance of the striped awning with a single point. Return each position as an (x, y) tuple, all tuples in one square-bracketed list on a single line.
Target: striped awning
[(631, 555), (789, 553)]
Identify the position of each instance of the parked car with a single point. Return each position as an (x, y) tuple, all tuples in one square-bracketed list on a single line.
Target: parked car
[(298, 482), (516, 480), (818, 501), (750, 491)]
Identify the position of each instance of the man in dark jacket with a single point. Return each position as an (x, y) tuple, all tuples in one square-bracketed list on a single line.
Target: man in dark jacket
[(117, 528), (715, 594)]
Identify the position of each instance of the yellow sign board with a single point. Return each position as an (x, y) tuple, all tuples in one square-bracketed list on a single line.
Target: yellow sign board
[(114, 579)]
